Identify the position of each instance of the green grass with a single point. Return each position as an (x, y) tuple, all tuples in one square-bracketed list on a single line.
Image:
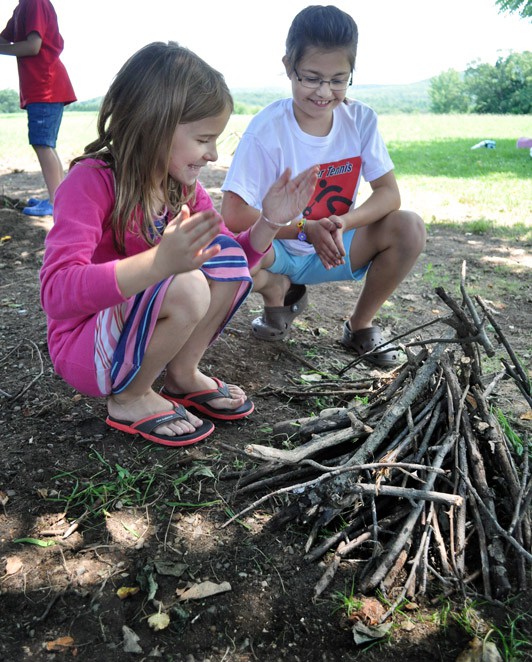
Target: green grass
[(440, 176)]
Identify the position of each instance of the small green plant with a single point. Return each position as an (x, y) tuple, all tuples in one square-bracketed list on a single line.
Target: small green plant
[(480, 226), (442, 616), (511, 641), (430, 275), (512, 436), (347, 601), (114, 484), (361, 399)]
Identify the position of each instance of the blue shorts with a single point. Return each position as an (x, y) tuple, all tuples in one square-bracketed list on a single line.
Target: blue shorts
[(309, 270), (44, 120)]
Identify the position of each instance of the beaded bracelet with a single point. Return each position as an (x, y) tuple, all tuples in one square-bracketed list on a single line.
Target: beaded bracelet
[(301, 235), (275, 225)]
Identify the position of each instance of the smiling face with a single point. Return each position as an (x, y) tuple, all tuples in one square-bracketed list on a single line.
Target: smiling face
[(193, 146), (313, 108)]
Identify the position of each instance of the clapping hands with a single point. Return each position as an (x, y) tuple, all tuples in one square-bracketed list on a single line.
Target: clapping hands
[(287, 198)]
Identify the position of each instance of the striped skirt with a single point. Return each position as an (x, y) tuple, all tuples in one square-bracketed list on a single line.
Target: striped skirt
[(124, 331)]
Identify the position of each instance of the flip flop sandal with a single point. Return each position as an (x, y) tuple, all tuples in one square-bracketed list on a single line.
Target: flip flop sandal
[(200, 400), (146, 426), (365, 340), (275, 322)]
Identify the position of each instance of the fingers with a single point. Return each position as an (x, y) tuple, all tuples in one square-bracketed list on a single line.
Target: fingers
[(206, 254), (185, 244), (327, 240)]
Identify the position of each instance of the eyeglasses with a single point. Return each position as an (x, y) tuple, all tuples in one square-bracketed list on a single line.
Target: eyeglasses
[(314, 82)]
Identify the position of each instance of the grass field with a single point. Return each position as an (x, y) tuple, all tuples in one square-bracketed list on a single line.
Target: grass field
[(440, 176)]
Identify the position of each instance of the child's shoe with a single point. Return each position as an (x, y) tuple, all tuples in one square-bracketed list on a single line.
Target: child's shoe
[(33, 201), (42, 208)]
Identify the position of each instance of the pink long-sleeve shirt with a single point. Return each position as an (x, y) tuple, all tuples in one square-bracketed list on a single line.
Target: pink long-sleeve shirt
[(78, 277)]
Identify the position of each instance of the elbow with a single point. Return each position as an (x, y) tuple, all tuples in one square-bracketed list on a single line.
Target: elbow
[(237, 214)]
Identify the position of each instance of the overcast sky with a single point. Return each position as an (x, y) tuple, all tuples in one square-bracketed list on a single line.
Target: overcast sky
[(400, 41)]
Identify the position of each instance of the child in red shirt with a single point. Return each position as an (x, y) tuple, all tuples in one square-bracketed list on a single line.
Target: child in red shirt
[(32, 36)]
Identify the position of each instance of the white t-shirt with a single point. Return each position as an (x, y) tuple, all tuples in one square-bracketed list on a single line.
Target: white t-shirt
[(273, 141)]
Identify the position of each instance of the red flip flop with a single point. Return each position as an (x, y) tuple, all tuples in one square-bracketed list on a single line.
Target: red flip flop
[(146, 426), (199, 400)]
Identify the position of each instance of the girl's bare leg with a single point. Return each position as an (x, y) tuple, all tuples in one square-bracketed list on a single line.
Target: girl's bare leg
[(273, 287), (182, 373), (186, 302), (393, 245), (51, 168)]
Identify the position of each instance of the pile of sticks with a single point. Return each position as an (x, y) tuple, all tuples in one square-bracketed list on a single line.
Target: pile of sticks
[(420, 481)]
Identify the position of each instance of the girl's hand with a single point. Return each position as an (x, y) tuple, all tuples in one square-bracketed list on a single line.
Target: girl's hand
[(183, 246), (287, 198), (326, 237)]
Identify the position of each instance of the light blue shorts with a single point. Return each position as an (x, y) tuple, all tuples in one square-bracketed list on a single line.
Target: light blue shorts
[(309, 270), (44, 120)]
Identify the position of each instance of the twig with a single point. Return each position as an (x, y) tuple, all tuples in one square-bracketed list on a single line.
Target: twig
[(513, 542), (15, 397), (484, 340), (397, 545), (502, 338)]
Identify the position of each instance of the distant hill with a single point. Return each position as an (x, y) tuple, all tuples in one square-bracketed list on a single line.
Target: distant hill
[(385, 99)]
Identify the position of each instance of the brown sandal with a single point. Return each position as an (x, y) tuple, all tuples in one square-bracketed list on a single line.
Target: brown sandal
[(364, 342), (275, 322)]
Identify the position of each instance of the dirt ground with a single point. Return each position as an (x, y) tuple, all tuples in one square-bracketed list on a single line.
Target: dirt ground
[(165, 533)]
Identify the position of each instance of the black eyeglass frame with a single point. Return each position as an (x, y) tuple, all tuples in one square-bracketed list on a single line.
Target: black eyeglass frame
[(320, 81)]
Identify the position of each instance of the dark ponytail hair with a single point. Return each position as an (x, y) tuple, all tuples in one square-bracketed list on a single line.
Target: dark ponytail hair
[(323, 27)]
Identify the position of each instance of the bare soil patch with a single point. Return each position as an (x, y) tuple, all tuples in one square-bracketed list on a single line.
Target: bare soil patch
[(55, 444)]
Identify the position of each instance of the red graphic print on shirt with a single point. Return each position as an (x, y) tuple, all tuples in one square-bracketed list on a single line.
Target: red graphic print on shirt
[(335, 190)]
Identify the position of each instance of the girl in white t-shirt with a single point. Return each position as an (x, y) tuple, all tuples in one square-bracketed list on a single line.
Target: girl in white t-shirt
[(333, 240)]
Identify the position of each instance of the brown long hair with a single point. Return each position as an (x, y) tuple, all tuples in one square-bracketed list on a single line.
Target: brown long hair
[(160, 86)]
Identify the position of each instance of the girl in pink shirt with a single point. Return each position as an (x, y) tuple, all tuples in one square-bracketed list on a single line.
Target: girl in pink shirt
[(140, 273)]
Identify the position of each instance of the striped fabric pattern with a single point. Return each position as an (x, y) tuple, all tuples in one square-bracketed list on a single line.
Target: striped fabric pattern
[(123, 332)]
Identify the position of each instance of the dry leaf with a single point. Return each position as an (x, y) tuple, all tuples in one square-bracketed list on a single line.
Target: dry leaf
[(60, 644), (527, 416), (370, 612), (311, 377), (131, 640), (127, 591), (203, 590), (363, 634), (13, 565), (479, 651), (3, 498), (159, 621)]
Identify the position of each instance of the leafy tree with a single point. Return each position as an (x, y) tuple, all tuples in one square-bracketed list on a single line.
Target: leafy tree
[(503, 88), (447, 93), (521, 7), (9, 101)]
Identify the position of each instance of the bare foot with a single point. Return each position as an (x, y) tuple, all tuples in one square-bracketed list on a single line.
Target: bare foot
[(125, 408), (203, 383)]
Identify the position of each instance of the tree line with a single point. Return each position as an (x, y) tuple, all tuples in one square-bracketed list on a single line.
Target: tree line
[(504, 88)]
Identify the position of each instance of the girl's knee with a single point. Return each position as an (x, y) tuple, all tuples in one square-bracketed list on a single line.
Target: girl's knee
[(410, 228), (188, 295)]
